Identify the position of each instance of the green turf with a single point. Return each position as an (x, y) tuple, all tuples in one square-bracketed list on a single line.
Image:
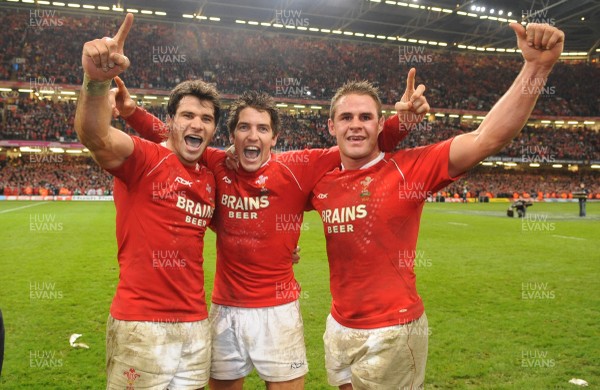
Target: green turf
[(475, 266)]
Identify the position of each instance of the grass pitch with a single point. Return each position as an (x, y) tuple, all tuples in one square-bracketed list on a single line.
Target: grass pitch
[(512, 304)]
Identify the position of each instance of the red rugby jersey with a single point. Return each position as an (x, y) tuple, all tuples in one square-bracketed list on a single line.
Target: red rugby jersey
[(163, 209), (260, 215), (371, 221)]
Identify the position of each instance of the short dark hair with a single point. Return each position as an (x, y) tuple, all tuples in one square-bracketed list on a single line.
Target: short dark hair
[(260, 101), (199, 89), (356, 88)]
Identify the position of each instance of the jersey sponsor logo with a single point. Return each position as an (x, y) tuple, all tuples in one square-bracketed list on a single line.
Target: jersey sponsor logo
[(198, 213), (337, 220), (244, 207), (322, 196), (181, 180)]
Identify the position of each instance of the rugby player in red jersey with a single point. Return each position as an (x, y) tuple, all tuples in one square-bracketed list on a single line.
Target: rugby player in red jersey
[(377, 333), (158, 333), (255, 316)]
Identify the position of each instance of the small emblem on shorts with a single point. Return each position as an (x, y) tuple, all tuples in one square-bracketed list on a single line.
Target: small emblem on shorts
[(131, 377), (295, 365)]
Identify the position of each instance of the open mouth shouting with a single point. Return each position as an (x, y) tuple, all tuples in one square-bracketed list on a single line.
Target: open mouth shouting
[(252, 153), (193, 142)]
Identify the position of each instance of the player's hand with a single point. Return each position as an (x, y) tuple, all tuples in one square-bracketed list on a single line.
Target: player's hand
[(540, 43), (413, 105), (120, 101), (232, 161), (296, 255), (103, 59)]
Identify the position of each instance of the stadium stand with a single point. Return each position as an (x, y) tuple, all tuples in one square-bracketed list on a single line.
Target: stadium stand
[(286, 66)]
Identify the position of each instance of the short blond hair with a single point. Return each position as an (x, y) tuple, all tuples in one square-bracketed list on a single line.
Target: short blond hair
[(356, 88)]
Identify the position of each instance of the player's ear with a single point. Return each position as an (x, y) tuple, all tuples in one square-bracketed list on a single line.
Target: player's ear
[(330, 125), (274, 140), (380, 124)]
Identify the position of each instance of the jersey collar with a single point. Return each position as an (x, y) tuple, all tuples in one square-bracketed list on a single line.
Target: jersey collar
[(370, 163)]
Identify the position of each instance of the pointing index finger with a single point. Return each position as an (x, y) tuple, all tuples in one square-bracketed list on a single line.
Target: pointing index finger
[(410, 80), (124, 30)]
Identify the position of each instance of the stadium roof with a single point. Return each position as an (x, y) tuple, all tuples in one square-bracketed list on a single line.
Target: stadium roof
[(451, 21)]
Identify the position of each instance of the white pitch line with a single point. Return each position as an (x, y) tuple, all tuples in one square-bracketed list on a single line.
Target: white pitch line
[(458, 223), (22, 207), (569, 237)]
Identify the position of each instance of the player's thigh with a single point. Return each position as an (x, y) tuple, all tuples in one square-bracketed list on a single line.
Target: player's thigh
[(230, 360), (396, 358), (194, 365), (342, 346), (294, 384), (278, 351)]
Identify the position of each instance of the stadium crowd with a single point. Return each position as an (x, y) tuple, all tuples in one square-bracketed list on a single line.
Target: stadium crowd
[(45, 120), (55, 174), (165, 53), (292, 66)]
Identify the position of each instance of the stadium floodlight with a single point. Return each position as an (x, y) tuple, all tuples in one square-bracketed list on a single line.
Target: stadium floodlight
[(380, 36), (422, 41), (487, 163), (146, 12), (348, 33), (150, 97), (557, 166), (453, 116), (572, 122), (411, 40), (462, 46), (559, 122), (402, 4), (314, 29), (74, 151), (472, 15), (5, 89), (133, 10), (370, 36), (467, 116), (336, 32), (58, 4), (214, 19), (57, 150), (278, 25), (492, 11), (24, 90), (73, 5), (391, 38), (477, 9), (281, 105), (160, 13), (165, 98), (201, 17), (595, 166), (47, 92), (265, 24), (501, 12), (534, 165), (299, 106), (252, 22), (117, 9), (414, 6), (463, 13), (359, 34), (324, 30), (103, 8), (316, 107), (482, 9), (28, 1), (43, 2), (292, 27), (589, 122), (390, 2), (440, 115), (238, 21), (473, 7), (88, 6), (509, 14)]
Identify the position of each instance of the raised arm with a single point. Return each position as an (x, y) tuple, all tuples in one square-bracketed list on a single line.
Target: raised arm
[(541, 46), (102, 60), (146, 124), (411, 110)]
